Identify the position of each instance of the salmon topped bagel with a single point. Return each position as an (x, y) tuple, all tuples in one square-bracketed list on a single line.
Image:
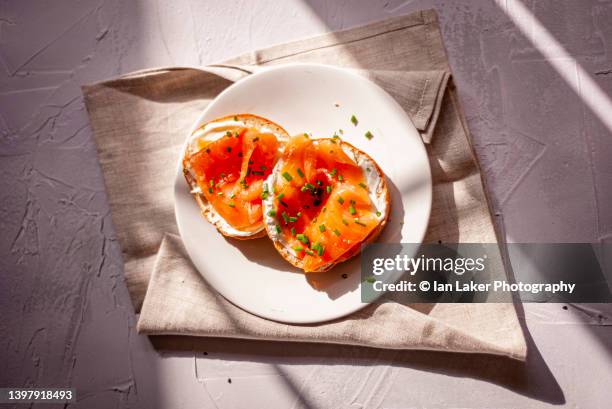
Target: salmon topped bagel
[(226, 163), (326, 198)]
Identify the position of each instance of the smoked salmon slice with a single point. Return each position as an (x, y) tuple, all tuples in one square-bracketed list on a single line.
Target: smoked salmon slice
[(322, 204), (230, 173)]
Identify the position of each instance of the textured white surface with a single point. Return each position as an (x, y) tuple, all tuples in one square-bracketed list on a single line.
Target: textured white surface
[(66, 316)]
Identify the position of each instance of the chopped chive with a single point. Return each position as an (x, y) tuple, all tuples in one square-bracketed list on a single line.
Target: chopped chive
[(359, 223), (363, 185), (378, 213), (306, 135), (236, 134), (370, 279), (354, 120), (369, 135), (232, 204), (229, 149), (272, 213), (341, 131), (337, 232), (278, 229), (340, 200), (352, 209), (280, 196), (211, 182), (219, 193), (210, 190), (292, 219), (265, 187), (319, 183), (340, 178), (257, 173), (228, 134), (303, 238), (368, 169), (263, 167), (299, 172), (333, 172), (321, 228), (328, 189), (233, 195), (344, 221), (319, 249), (303, 189), (335, 136), (299, 214), (309, 186), (285, 217), (264, 195), (298, 248), (293, 231), (310, 253), (287, 176)]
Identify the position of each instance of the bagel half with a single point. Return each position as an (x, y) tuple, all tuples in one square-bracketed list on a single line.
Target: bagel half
[(277, 225), (209, 136)]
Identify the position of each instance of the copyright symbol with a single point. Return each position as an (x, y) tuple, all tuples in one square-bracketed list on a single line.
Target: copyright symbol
[(424, 285)]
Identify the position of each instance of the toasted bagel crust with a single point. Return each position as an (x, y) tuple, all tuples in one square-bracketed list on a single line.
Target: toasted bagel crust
[(382, 191), (208, 211)]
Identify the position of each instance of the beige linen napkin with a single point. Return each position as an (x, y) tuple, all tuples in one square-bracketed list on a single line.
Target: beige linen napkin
[(140, 122)]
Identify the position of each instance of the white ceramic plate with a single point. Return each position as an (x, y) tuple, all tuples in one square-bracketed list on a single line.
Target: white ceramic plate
[(302, 98)]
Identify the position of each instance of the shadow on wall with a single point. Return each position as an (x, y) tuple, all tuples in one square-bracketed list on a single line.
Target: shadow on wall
[(66, 315), (532, 379), (595, 104)]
